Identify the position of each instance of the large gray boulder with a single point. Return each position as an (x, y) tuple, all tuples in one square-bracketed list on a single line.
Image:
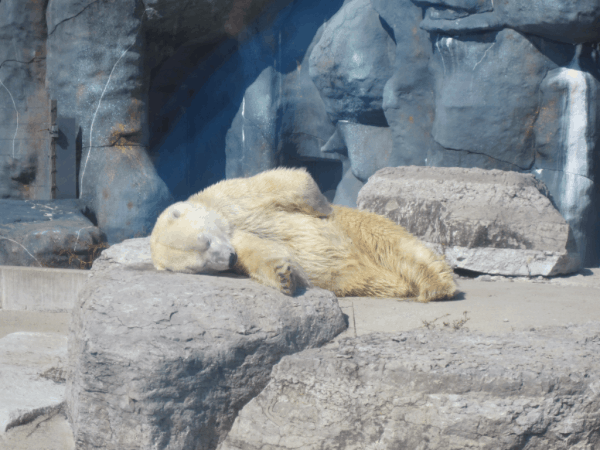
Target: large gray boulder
[(432, 389), (166, 360), (488, 221)]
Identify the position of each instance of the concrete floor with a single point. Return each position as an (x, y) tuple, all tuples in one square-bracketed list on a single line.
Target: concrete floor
[(499, 305)]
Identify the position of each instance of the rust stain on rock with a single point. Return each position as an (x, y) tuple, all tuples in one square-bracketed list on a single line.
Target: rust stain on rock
[(80, 91), (129, 133)]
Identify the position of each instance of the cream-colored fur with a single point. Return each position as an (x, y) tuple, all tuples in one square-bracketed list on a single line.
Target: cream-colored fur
[(285, 235)]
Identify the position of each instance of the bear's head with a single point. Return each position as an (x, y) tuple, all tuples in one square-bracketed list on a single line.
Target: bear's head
[(190, 238)]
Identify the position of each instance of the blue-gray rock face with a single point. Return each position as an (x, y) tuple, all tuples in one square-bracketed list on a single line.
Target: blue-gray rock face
[(44, 233), (512, 92), (266, 110), (573, 22), (352, 62), (24, 172), (101, 84), (408, 95)]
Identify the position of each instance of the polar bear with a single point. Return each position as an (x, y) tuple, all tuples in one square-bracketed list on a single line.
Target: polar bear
[(279, 229)]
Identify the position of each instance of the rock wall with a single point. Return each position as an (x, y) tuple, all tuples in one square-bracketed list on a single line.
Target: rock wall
[(24, 151), (169, 98)]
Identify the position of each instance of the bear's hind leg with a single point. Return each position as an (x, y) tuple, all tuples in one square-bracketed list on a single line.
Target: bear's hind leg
[(371, 280), (268, 263), (393, 248)]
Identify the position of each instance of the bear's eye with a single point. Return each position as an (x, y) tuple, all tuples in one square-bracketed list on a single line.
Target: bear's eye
[(203, 241), (174, 213)]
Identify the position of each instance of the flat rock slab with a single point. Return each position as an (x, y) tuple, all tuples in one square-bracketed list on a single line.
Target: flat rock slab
[(131, 253), (489, 221), (429, 389), (166, 360), (32, 376), (46, 233)]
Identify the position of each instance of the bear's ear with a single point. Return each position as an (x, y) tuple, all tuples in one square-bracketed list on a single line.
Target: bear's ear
[(174, 213)]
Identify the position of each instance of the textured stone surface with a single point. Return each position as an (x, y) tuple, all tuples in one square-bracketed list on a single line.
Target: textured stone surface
[(408, 95), (44, 233), (512, 93), (166, 360), (483, 220), (47, 432), (32, 376), (432, 389), (131, 253), (361, 141), (102, 85), (24, 108), (351, 64)]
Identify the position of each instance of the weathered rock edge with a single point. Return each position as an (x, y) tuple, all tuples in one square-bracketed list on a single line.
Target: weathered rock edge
[(433, 389), (166, 360), (489, 221)]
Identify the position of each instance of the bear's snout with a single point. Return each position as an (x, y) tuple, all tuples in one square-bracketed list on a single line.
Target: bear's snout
[(232, 260)]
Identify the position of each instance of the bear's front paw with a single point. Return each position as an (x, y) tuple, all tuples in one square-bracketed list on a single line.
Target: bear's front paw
[(287, 280)]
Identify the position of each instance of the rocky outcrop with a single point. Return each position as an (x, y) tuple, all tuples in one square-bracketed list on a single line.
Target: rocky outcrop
[(432, 389), (44, 233), (32, 376), (487, 221), (166, 360)]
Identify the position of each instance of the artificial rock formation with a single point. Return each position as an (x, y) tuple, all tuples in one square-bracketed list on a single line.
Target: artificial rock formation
[(43, 233), (479, 85), (432, 389), (489, 221), (159, 99), (166, 360)]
